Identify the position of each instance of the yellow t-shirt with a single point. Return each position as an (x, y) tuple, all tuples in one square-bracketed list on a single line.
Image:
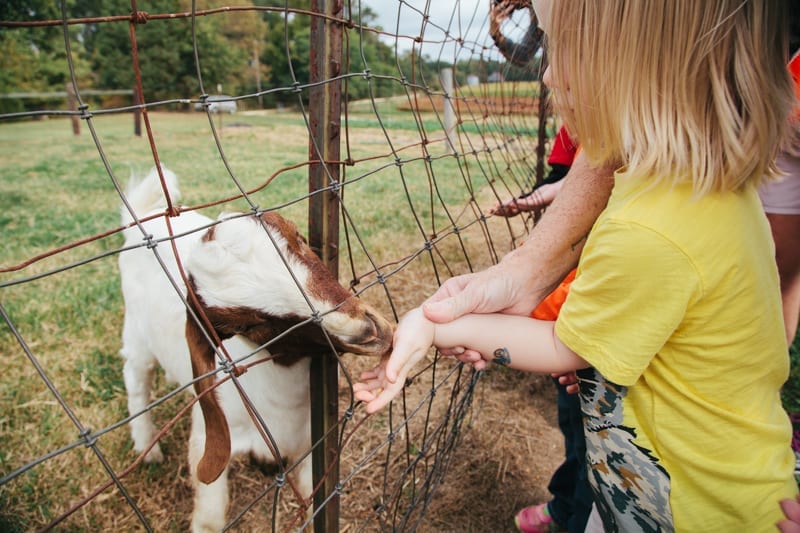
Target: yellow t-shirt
[(676, 305)]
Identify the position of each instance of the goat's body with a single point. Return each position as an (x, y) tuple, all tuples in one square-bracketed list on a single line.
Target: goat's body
[(153, 333)]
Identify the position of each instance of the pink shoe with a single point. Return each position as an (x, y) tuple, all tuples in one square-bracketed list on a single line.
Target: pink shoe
[(535, 519)]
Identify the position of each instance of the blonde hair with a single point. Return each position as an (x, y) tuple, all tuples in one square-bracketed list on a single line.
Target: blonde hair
[(676, 89)]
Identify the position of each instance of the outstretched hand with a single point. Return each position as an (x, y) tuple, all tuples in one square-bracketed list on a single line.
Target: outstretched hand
[(515, 206), (535, 202), (412, 340)]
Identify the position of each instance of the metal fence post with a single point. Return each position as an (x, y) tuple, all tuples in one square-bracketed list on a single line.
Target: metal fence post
[(323, 234)]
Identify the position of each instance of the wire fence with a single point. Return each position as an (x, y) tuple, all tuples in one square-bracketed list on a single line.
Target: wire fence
[(393, 186)]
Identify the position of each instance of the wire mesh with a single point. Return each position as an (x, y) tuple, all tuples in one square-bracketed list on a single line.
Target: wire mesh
[(412, 200)]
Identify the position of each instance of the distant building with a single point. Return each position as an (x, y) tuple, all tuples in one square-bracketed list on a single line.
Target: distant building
[(495, 77), (472, 79)]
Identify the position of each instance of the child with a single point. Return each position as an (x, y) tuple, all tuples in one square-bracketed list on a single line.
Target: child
[(571, 503), (676, 303)]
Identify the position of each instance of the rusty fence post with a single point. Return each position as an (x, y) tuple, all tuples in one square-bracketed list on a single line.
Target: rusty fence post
[(323, 235)]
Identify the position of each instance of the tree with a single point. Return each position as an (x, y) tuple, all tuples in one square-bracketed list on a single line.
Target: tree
[(35, 59)]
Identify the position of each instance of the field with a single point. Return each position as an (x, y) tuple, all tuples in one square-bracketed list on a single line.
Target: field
[(55, 191), (67, 309)]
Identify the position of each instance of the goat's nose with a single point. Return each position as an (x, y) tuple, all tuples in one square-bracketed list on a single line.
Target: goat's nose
[(374, 336), (383, 332)]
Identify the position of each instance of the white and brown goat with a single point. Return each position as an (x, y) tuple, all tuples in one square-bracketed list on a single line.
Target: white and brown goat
[(242, 282)]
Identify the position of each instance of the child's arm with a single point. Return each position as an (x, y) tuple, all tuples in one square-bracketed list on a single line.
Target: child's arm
[(519, 342)]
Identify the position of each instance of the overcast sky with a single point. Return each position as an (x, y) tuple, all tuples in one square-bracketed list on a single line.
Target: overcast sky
[(465, 18)]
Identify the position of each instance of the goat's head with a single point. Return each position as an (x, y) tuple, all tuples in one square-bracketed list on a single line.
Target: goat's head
[(248, 282)]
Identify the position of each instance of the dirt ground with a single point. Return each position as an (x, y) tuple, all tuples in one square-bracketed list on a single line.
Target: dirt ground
[(505, 459)]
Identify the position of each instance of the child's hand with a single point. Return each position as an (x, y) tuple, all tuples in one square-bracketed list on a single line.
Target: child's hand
[(569, 380), (791, 510), (412, 340)]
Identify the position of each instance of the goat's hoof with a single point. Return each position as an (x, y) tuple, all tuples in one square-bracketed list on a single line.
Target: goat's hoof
[(207, 526), (154, 455)]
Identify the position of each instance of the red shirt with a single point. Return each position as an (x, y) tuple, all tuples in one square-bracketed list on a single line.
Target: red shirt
[(564, 149)]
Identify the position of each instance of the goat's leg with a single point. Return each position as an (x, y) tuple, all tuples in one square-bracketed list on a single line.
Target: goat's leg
[(210, 500), (138, 375)]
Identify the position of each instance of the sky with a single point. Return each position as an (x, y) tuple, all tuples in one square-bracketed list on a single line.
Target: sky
[(466, 18)]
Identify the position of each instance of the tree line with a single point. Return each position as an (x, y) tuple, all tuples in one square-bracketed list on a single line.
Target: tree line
[(241, 52)]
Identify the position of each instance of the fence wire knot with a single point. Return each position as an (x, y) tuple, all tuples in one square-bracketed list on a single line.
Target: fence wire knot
[(88, 439), (139, 17), (229, 368), (83, 109), (484, 138)]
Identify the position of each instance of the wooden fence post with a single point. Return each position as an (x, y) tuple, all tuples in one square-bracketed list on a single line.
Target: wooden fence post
[(137, 112), (323, 236), (72, 102)]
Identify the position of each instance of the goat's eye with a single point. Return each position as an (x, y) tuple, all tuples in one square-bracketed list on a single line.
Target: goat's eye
[(300, 238)]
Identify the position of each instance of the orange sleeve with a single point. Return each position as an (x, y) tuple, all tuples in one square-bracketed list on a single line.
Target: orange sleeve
[(550, 306)]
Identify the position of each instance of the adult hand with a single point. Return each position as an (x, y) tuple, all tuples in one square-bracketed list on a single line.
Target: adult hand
[(499, 12), (535, 202), (526, 275), (506, 287)]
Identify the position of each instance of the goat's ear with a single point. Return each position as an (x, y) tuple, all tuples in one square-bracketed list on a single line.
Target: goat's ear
[(217, 451)]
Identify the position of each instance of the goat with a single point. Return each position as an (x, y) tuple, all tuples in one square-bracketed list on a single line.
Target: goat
[(241, 283)]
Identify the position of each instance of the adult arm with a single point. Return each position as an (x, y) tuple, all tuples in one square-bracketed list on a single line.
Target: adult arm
[(520, 54), (525, 276)]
